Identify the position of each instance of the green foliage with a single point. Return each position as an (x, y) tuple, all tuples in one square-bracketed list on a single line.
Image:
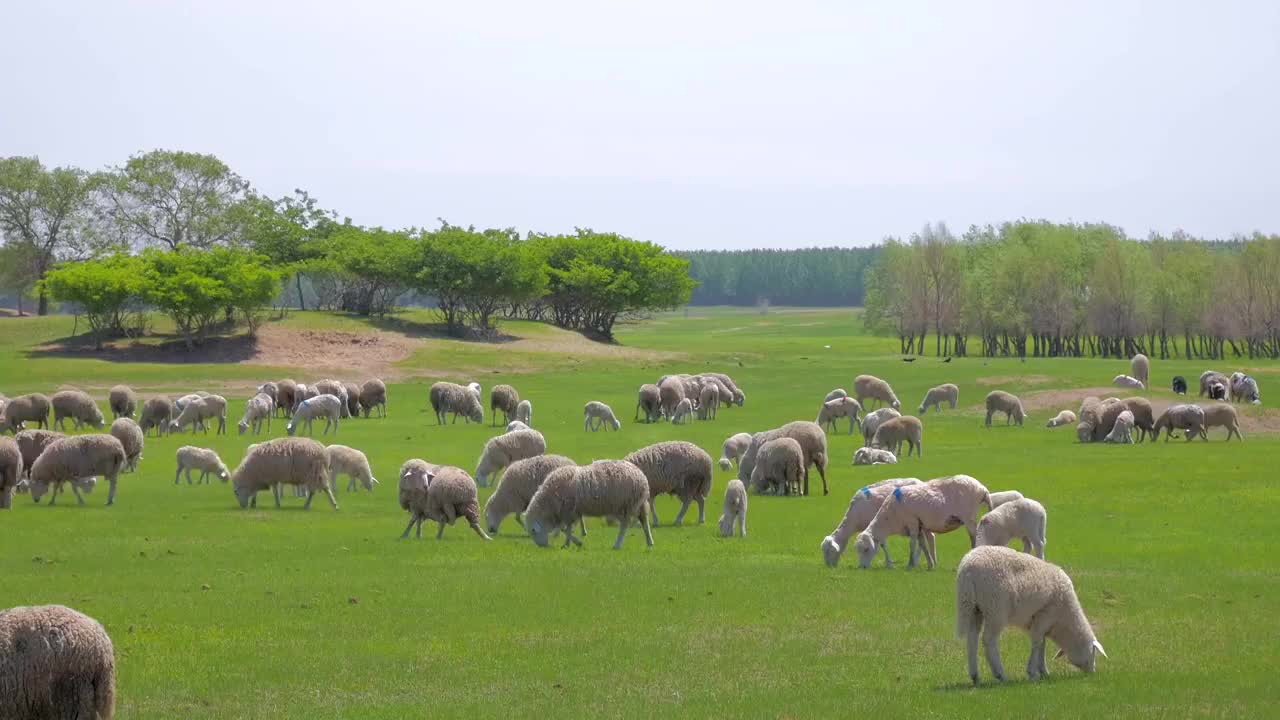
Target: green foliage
[(103, 291), (197, 288), (473, 274), (360, 270), (811, 277)]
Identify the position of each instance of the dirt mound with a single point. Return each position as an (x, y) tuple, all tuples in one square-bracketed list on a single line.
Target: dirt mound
[(373, 351)]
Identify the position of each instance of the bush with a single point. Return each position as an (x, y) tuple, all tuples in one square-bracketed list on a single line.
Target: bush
[(104, 291)]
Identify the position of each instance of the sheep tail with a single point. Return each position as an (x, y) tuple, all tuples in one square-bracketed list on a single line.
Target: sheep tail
[(967, 616), (986, 500)]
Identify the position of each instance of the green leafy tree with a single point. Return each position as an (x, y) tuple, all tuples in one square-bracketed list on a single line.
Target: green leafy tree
[(362, 270), (286, 230), (103, 291), (196, 287), (472, 275)]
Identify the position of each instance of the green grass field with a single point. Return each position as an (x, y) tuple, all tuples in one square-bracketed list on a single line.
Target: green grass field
[(218, 612)]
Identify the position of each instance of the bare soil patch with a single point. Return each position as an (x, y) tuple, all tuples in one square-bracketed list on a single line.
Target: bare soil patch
[(1253, 419)]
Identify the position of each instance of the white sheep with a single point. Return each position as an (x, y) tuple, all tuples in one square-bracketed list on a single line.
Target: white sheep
[(283, 461), (10, 470), (948, 393), (683, 413), (735, 509), (999, 586), (1189, 418), (739, 397), (873, 421), (157, 412), (78, 406), (938, 506), (373, 394), (873, 456), (1223, 416), (1066, 417), (33, 442), (354, 464), (837, 393), (834, 409), (505, 449), (203, 459), (605, 488), (475, 388), (670, 393), (649, 399), (864, 505), (123, 401), (257, 410), (130, 436), (27, 408), (708, 402), (596, 415), (733, 448), (524, 412), (55, 663), (1209, 378), (336, 389), (870, 387), (328, 407), (69, 459), (442, 493), (679, 468), (196, 410), (1122, 431), (515, 425), (448, 398), (1125, 381), (1244, 388), (1009, 404), (779, 465), (1004, 496), (812, 440), (1023, 519), (1140, 368), (506, 399), (519, 483), (287, 396), (895, 431)]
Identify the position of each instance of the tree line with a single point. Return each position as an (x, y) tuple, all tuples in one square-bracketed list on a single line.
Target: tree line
[(814, 277)]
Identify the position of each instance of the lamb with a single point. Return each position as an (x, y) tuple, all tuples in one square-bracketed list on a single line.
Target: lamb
[(708, 402), (287, 396), (1126, 381), (1209, 378), (873, 421), (934, 398), (130, 436), (199, 410), (678, 468), (938, 506), (336, 389), (190, 458), (33, 442), (326, 406), (598, 411), (998, 586), (55, 663), (257, 410), (670, 394), (605, 488), (779, 465), (683, 413), (812, 440), (1010, 405), (71, 458), (78, 406), (294, 461), (447, 397), (735, 509), (354, 464), (1122, 430), (1022, 519), (515, 425), (1006, 496), (1066, 417), (871, 387), (1180, 417), (837, 393), (504, 398), (123, 401), (443, 494), (524, 413), (505, 449), (1219, 415), (373, 394), (733, 448), (1245, 388), (10, 470), (833, 410), (27, 408), (649, 399), (863, 507), (519, 483), (873, 456), (739, 397), (894, 431), (353, 399)]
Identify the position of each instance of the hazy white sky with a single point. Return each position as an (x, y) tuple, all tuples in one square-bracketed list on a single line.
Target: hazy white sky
[(696, 125)]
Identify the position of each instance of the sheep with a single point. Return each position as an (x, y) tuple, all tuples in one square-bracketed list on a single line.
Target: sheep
[(283, 461), (724, 396), (270, 389), (649, 399), (201, 409), (894, 431), (130, 436), (1066, 417), (524, 413), (515, 425), (596, 410), (873, 456), (305, 392), (683, 413), (373, 394), (733, 448), (938, 506), (519, 483), (1124, 381), (447, 397), (327, 406), (1209, 378), (863, 507), (1084, 432), (10, 470), (353, 399), (1000, 498), (257, 410), (190, 458), (1122, 430), (833, 410), (157, 412), (1001, 401), (1140, 369), (336, 389), (1179, 385), (354, 464), (837, 393), (934, 398), (33, 442), (811, 438), (739, 397), (605, 488), (708, 402), (505, 449), (670, 394), (677, 468), (1245, 389), (287, 396), (78, 406), (71, 458), (1143, 417), (1179, 417), (123, 401), (1217, 391), (413, 482), (27, 408), (1224, 416), (999, 586), (1022, 519), (55, 663), (873, 421), (779, 465), (867, 387), (504, 398), (443, 494), (735, 509)]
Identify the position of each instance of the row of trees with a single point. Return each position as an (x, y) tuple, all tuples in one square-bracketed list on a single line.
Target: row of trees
[(1052, 290), (829, 277)]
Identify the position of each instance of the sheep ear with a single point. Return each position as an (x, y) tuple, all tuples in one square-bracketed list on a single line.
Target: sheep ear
[(1097, 647)]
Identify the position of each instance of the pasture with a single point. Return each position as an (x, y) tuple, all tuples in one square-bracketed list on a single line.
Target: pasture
[(218, 612)]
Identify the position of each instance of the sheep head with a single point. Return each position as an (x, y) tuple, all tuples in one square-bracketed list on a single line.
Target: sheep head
[(831, 551), (865, 546)]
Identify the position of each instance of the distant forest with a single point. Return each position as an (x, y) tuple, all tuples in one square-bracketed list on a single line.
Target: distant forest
[(822, 277)]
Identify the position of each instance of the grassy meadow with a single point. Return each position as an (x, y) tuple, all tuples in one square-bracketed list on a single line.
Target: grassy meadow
[(218, 612)]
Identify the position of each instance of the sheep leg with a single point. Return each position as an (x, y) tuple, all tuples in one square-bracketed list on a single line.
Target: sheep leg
[(684, 508), (111, 492), (915, 550), (332, 500), (991, 643), (582, 525), (440, 532), (405, 535), (930, 546), (623, 522), (888, 563), (307, 505), (644, 525), (177, 475), (1039, 628), (275, 493), (971, 645), (419, 519), (742, 524), (702, 510), (653, 512), (76, 491)]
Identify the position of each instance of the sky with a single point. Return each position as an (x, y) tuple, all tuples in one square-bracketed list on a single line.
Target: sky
[(692, 124)]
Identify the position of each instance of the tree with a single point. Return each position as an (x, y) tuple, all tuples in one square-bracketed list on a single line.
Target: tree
[(362, 270), (474, 274), (196, 287), (18, 270), (103, 291), (286, 231)]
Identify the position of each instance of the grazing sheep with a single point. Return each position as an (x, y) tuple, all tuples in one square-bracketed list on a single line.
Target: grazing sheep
[(190, 458), (71, 458), (449, 494), (1091, 410), (1223, 416), (354, 464), (10, 470), (373, 394), (833, 410), (873, 456), (1125, 381), (1000, 498), (935, 397), (1122, 430), (27, 408), (779, 466), (1022, 519), (1179, 385), (515, 425), (413, 484), (837, 393), (598, 411), (677, 468), (873, 421), (328, 407), (270, 389), (123, 401), (863, 507), (1001, 401), (670, 394), (733, 448), (33, 442), (519, 483), (649, 399), (505, 449), (475, 388), (297, 461), (353, 399), (708, 402), (894, 431), (336, 389), (447, 397), (1209, 378), (257, 410), (55, 663), (1245, 389), (999, 586), (867, 387), (735, 509), (1084, 432), (1180, 417), (524, 413), (130, 436), (1140, 369), (683, 413), (287, 397), (811, 438), (1066, 417), (739, 397), (199, 410), (605, 488), (78, 406), (938, 506), (157, 412), (506, 399)]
